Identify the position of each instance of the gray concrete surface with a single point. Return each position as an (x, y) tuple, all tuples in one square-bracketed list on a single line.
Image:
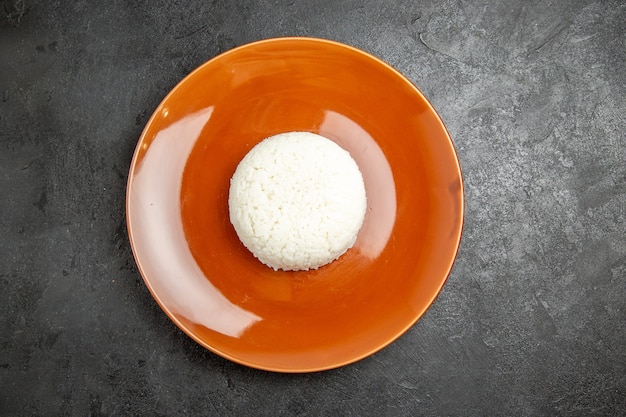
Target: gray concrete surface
[(533, 318)]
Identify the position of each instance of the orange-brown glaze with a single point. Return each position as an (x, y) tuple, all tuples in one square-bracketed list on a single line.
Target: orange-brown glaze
[(207, 281)]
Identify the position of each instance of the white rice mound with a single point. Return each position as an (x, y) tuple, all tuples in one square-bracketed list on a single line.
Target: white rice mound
[(297, 201)]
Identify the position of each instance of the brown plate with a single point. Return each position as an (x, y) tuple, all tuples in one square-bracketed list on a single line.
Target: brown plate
[(189, 254)]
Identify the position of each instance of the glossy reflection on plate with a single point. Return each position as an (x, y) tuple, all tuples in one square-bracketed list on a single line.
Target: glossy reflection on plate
[(208, 283)]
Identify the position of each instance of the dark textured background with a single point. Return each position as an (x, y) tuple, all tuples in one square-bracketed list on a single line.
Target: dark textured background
[(533, 318)]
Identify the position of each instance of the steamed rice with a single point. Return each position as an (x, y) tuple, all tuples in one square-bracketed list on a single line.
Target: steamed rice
[(297, 201)]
